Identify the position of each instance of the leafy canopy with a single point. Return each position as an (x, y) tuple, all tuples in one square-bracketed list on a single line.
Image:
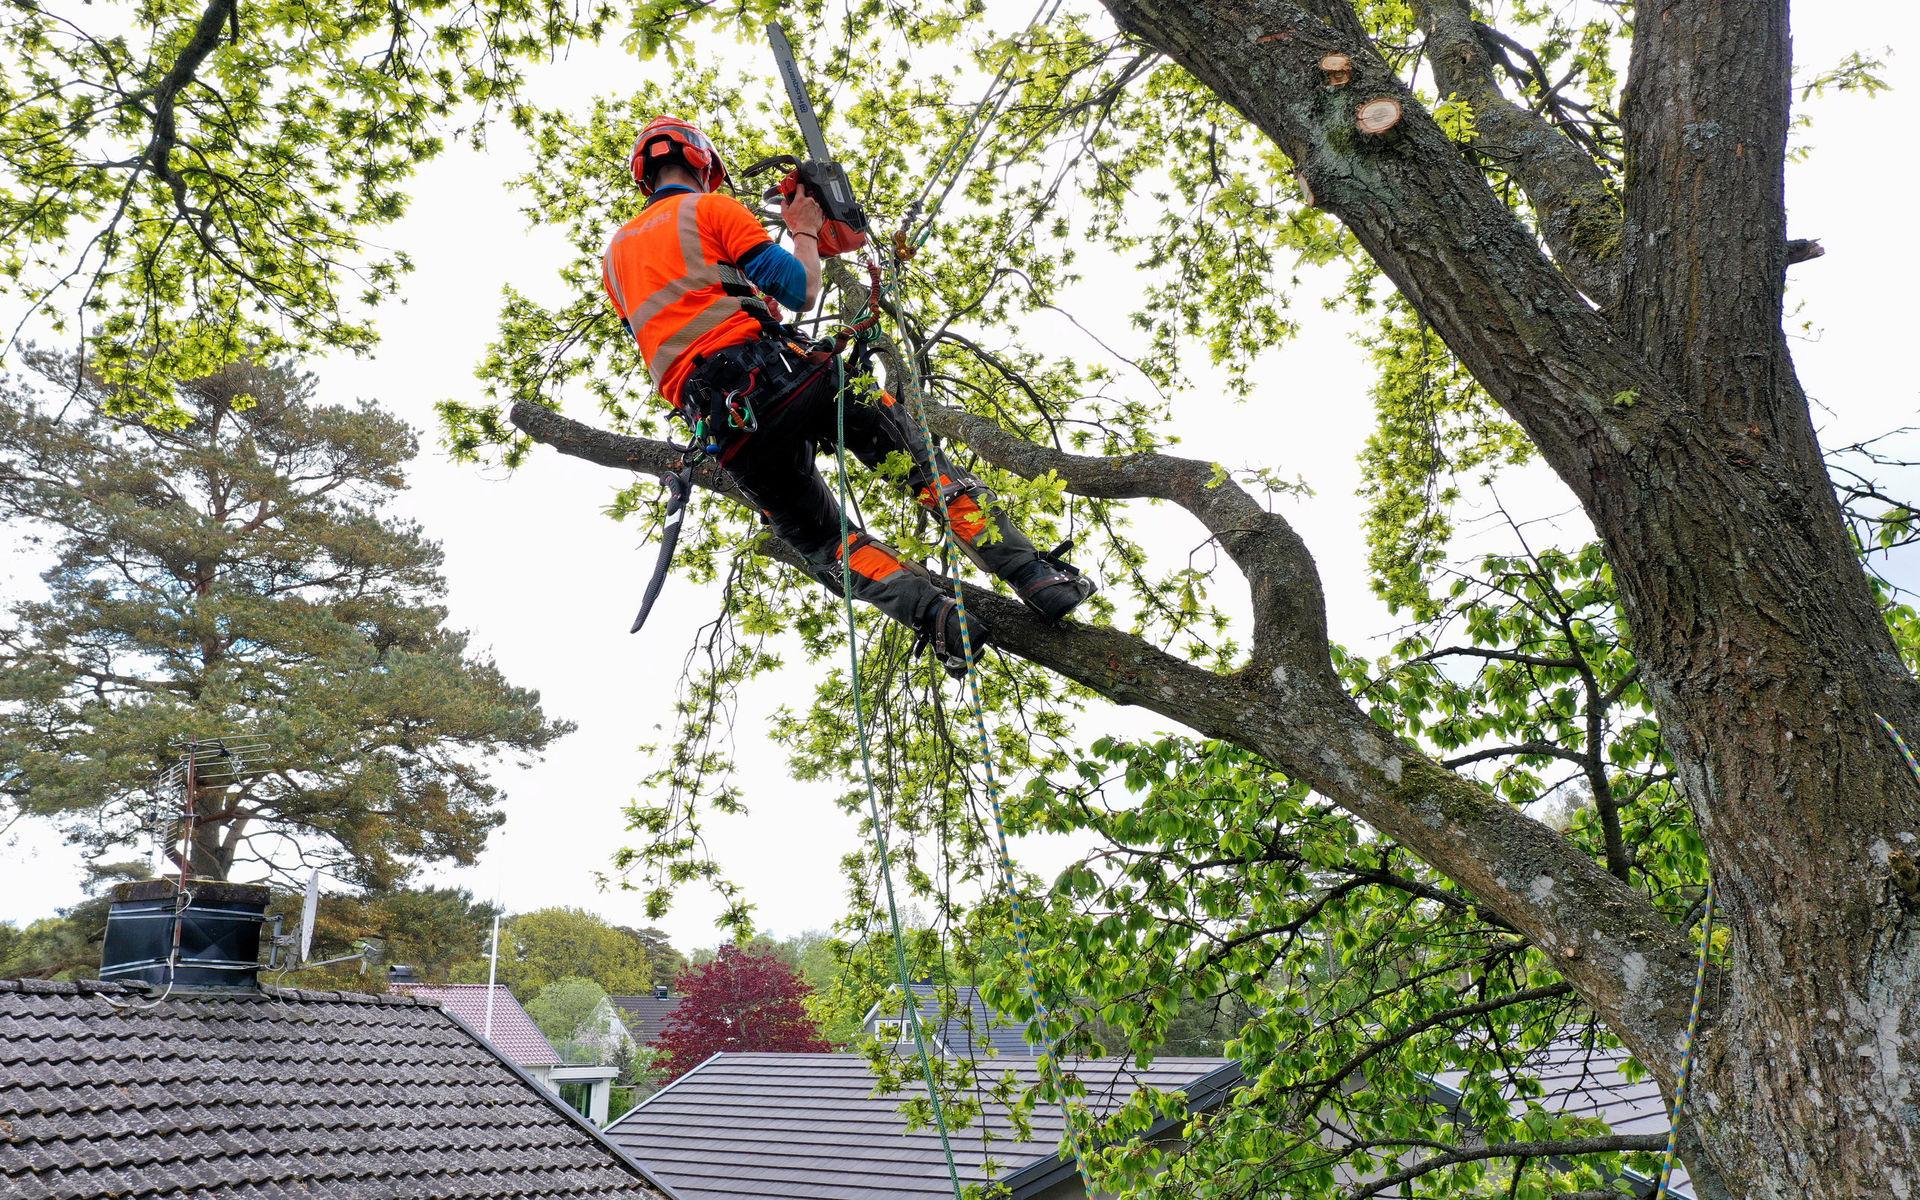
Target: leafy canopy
[(549, 944), (1213, 880), (1355, 976), (184, 184)]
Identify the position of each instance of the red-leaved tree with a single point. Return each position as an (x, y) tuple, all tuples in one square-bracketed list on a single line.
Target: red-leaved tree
[(743, 1000)]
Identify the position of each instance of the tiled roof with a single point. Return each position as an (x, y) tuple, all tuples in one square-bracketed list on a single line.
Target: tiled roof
[(1585, 1080), (765, 1126), (970, 1031), (108, 1091), (646, 1015), (512, 1030)]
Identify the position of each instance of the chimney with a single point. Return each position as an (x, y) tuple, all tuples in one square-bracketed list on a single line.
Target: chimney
[(660, 991), (214, 926), (401, 973)]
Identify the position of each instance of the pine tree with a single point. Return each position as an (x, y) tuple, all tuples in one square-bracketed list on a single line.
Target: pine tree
[(239, 572)]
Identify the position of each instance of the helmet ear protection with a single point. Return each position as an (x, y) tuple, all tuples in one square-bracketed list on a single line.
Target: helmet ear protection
[(671, 140)]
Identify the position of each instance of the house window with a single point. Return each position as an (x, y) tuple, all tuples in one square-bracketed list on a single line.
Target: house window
[(578, 1096)]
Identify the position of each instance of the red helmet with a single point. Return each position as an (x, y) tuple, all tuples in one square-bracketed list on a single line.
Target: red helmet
[(671, 138)]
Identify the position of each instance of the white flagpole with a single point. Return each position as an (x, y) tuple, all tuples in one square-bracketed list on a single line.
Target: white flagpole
[(493, 967)]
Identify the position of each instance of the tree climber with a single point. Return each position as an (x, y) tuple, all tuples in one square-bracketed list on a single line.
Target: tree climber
[(690, 277)]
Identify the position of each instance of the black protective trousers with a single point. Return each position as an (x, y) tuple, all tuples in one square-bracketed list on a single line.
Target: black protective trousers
[(777, 469)]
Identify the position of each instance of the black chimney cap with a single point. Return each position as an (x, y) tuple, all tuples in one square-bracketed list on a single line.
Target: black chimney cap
[(402, 973), (215, 925)]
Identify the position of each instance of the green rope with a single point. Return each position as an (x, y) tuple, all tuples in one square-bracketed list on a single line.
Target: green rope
[(910, 389), (873, 798), (1686, 1049)]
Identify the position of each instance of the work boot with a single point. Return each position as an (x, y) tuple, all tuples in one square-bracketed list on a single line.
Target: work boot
[(1049, 584), (940, 633)]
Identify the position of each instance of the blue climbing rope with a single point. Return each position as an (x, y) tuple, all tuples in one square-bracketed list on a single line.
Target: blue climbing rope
[(1686, 1049), (1900, 743), (910, 393)]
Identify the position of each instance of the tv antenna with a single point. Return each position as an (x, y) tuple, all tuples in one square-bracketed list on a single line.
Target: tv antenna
[(309, 909), (227, 758)]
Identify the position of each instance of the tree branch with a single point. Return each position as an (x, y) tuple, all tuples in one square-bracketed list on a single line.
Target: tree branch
[(1566, 1148), (1543, 749), (1431, 1021), (1290, 707), (1572, 198), (1425, 215)]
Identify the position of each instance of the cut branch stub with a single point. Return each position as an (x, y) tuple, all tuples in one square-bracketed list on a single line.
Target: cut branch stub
[(1306, 189), (1338, 68), (1377, 116)]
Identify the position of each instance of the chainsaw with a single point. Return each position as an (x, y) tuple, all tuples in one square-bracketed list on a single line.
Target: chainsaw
[(823, 178)]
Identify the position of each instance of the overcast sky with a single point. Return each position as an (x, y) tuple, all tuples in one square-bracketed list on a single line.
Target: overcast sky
[(547, 584)]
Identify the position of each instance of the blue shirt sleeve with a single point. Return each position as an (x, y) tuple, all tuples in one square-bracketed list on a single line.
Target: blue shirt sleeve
[(778, 274)]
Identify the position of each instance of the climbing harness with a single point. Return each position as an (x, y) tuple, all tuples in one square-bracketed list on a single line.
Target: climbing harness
[(1686, 1048)]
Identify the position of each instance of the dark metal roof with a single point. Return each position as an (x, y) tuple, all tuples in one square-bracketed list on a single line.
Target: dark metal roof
[(767, 1126), (646, 1015), (1585, 1080), (108, 1091), (972, 1031)]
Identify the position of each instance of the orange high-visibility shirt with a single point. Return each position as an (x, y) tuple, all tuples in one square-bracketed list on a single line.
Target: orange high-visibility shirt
[(664, 272)]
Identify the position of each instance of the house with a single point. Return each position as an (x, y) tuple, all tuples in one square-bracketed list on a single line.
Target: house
[(751, 1126), (179, 1075), (493, 1011), (646, 1016), (972, 1030)]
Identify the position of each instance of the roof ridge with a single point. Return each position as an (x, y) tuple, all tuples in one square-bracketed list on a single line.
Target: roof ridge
[(115, 987), (68, 987)]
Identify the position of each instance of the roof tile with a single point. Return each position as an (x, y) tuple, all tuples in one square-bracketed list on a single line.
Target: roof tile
[(512, 1030)]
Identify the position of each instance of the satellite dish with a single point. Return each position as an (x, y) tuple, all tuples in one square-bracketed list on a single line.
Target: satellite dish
[(308, 911)]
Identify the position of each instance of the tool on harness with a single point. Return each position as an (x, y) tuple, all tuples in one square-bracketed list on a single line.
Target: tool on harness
[(679, 487), (740, 414), (824, 179)]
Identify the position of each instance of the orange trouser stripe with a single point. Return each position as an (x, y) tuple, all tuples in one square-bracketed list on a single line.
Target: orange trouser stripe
[(963, 513), (872, 561)]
